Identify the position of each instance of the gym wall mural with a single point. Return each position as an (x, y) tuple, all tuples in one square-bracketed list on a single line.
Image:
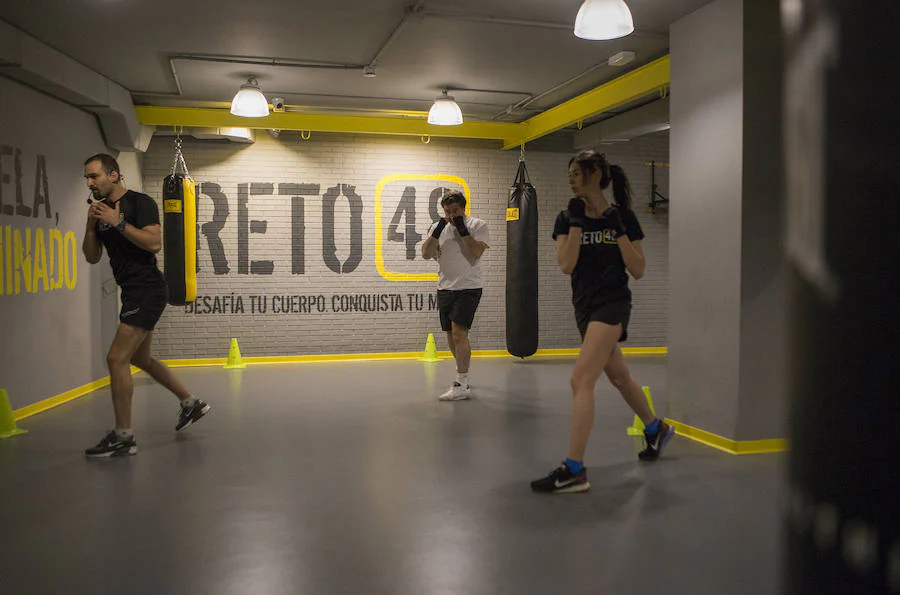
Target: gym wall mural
[(403, 208), (35, 254)]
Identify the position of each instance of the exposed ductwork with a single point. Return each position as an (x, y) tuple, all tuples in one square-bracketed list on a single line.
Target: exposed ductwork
[(33, 63)]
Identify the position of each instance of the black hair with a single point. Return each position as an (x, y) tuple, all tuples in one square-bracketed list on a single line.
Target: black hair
[(591, 161), (454, 196), (108, 163)]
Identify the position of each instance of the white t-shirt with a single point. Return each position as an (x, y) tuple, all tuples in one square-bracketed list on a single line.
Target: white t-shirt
[(458, 270)]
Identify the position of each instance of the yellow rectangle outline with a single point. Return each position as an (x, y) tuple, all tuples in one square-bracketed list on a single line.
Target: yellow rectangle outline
[(379, 230), (512, 214)]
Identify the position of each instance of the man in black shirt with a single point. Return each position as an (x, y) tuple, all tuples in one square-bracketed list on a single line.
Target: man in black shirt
[(126, 223)]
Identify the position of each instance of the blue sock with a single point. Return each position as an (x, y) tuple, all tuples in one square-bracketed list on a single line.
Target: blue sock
[(653, 426), (575, 467)]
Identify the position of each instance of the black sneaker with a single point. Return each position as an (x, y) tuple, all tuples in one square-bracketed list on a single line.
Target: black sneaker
[(191, 414), (656, 442), (562, 481), (112, 446)]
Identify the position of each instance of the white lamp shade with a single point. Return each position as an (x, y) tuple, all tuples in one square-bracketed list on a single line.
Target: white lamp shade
[(603, 19), (445, 112), (249, 102)]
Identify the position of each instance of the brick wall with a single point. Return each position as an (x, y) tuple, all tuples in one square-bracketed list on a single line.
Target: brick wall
[(268, 174)]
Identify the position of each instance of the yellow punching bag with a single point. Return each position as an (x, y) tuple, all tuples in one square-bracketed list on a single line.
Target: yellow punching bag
[(179, 233)]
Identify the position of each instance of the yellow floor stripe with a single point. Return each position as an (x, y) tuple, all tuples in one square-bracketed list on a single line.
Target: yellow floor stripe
[(735, 447), (702, 436), (407, 355)]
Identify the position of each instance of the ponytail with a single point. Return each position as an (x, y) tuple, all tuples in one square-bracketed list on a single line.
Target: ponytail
[(621, 187)]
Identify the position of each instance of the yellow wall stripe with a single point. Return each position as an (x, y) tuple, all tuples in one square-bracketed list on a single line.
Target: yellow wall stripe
[(65, 397)]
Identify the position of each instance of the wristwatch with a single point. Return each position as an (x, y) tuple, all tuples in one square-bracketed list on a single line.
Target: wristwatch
[(121, 226)]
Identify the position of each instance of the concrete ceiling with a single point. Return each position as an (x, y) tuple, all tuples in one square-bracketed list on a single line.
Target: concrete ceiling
[(507, 51)]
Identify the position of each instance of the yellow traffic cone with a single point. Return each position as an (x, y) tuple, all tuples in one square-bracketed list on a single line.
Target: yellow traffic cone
[(234, 357), (8, 427), (430, 354), (637, 428)]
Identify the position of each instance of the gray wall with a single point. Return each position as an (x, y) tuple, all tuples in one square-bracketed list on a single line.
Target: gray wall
[(52, 340), (764, 316), (361, 161), (727, 349), (705, 237)]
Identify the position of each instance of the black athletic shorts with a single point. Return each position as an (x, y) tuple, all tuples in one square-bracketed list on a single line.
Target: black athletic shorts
[(142, 306), (612, 313), (457, 306)]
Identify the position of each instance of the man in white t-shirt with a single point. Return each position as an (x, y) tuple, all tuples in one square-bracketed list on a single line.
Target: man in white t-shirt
[(457, 242)]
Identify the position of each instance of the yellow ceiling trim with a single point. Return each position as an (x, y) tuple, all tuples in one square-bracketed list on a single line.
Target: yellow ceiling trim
[(206, 117), (646, 80)]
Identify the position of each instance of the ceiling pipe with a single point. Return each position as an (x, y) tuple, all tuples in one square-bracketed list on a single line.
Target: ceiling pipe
[(246, 60), (409, 11)]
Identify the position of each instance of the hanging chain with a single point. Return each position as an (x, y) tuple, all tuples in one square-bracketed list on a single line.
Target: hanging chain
[(179, 157)]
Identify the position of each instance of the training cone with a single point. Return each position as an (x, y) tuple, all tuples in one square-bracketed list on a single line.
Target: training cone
[(8, 427), (637, 428), (234, 357), (430, 354)]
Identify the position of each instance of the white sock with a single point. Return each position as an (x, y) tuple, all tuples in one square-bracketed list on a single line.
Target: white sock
[(189, 402), (125, 434), (463, 379)]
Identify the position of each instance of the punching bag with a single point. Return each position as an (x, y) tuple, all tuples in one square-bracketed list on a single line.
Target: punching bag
[(522, 266), (843, 167), (179, 233)]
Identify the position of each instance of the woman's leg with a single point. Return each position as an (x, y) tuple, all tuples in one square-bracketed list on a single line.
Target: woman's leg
[(600, 340), (620, 377)]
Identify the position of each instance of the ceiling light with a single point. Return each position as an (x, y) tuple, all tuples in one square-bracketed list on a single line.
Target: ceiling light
[(249, 101), (445, 112), (603, 19)]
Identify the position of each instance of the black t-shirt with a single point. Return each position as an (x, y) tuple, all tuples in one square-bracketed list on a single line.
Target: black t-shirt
[(599, 275), (132, 266)]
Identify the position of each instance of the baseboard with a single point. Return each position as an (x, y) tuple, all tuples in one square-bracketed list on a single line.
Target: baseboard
[(735, 447)]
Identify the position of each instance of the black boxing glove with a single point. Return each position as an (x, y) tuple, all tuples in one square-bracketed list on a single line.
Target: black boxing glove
[(614, 216), (460, 222), (442, 223), (577, 209)]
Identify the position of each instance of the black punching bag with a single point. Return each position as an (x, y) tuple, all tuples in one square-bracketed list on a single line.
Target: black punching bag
[(179, 238), (842, 159), (522, 266)]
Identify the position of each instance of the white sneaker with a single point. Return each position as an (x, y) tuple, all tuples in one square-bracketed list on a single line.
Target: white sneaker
[(457, 392)]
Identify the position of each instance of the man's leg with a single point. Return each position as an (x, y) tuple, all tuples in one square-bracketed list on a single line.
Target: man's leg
[(158, 370), (125, 344), (463, 352), (120, 442), (192, 408), (451, 344)]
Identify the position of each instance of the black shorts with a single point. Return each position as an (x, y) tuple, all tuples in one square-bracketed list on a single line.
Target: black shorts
[(143, 306), (457, 306), (612, 313)]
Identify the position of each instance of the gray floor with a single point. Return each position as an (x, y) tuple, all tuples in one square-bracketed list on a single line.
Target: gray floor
[(352, 478)]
